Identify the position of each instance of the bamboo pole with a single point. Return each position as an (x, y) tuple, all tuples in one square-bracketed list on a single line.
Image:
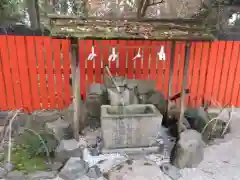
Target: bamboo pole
[(184, 84)]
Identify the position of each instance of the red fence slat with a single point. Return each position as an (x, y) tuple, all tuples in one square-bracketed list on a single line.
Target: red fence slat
[(235, 89), (122, 58), (138, 60), (166, 67), (105, 54), (8, 96), (59, 78), (224, 74), (98, 62), (176, 68), (88, 50), (24, 75), (41, 71), (130, 55), (145, 63), (218, 70), (66, 65), (160, 67), (190, 72), (82, 64), (196, 70), (232, 72), (153, 60), (113, 63), (50, 75), (15, 71), (203, 69), (211, 70), (32, 62)]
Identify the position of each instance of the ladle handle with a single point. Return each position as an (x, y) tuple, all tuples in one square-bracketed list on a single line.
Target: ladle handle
[(112, 79)]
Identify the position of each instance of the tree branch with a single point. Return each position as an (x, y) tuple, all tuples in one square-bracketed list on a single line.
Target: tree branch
[(143, 5)]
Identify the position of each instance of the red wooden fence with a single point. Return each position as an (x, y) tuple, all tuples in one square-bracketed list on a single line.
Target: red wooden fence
[(213, 70), (35, 71), (32, 76)]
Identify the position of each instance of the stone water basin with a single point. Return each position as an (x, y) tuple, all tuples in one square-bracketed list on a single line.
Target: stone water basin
[(137, 127)]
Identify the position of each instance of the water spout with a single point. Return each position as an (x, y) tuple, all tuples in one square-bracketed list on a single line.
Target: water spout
[(121, 106)]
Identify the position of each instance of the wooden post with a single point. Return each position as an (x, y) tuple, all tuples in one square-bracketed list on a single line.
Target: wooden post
[(184, 84), (170, 75), (76, 89)]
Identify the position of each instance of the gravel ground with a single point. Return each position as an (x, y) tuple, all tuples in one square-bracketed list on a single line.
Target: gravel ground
[(222, 160)]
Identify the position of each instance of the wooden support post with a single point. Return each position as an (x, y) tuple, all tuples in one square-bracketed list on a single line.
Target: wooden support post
[(170, 75), (76, 90), (184, 84)]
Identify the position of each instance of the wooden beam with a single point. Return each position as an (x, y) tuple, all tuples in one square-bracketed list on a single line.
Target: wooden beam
[(164, 20), (76, 91)]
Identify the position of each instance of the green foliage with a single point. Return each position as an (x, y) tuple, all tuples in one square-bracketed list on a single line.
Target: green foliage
[(25, 163), (10, 9), (29, 153), (34, 146)]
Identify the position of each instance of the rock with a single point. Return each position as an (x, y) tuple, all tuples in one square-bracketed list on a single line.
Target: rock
[(138, 171), (55, 166), (143, 86), (104, 161), (97, 96), (66, 149), (3, 172), (171, 171), (41, 175), (15, 175), (101, 178), (60, 128), (188, 151), (74, 169), (197, 118), (94, 172), (157, 99), (93, 104), (91, 136)]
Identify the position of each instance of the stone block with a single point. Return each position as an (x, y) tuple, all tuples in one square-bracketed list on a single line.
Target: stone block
[(94, 172), (60, 128), (74, 169), (15, 175), (137, 126), (42, 175), (67, 149), (189, 150), (143, 86)]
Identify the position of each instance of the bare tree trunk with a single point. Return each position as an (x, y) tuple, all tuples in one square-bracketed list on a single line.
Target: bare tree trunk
[(33, 11)]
